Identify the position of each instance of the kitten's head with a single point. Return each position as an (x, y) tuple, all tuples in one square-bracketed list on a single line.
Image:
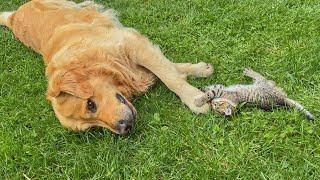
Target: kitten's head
[(224, 106)]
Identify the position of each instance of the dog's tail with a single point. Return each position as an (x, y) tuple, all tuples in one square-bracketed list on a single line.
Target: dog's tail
[(4, 18), (294, 104)]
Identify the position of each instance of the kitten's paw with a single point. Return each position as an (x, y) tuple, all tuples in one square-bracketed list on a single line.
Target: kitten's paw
[(203, 69), (248, 71)]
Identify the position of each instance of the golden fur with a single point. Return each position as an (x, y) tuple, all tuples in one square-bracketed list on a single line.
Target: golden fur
[(90, 55)]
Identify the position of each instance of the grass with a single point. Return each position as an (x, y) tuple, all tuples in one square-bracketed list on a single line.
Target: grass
[(279, 38)]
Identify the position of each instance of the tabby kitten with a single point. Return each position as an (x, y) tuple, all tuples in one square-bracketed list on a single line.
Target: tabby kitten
[(262, 92)]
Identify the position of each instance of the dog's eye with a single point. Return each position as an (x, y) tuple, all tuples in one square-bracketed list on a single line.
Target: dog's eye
[(91, 106)]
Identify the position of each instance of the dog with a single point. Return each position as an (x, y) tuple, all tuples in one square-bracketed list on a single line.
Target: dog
[(95, 65)]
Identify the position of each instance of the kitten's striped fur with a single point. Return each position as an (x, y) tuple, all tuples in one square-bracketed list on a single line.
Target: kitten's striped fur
[(262, 92)]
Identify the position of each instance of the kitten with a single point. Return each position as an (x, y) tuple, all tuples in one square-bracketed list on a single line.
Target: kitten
[(262, 92)]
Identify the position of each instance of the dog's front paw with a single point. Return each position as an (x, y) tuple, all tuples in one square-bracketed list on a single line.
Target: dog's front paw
[(199, 101), (202, 110), (199, 109), (203, 69), (190, 96)]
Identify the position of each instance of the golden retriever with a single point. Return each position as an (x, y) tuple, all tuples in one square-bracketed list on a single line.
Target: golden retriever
[(94, 65)]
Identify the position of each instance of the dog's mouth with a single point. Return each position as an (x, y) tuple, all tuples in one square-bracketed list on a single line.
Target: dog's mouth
[(123, 126), (126, 125), (128, 104), (133, 110)]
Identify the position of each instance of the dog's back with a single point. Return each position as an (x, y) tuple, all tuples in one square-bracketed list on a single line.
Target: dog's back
[(35, 22)]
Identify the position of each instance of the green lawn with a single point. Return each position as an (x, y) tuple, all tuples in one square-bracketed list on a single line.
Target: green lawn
[(278, 38)]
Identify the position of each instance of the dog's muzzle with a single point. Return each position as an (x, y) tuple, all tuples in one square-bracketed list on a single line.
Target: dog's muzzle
[(125, 126)]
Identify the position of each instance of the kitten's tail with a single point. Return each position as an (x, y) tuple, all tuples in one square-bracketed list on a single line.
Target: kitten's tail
[(298, 106)]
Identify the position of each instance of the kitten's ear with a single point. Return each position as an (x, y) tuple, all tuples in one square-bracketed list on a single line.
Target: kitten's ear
[(228, 111)]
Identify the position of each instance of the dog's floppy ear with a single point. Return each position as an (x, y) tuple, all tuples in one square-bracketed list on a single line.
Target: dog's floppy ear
[(69, 82)]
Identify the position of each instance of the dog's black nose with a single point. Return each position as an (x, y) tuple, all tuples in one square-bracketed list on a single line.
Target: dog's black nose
[(125, 126)]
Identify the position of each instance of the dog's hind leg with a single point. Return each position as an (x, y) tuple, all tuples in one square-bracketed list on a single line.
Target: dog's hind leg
[(4, 18), (151, 57), (91, 4), (200, 69), (112, 15), (86, 3)]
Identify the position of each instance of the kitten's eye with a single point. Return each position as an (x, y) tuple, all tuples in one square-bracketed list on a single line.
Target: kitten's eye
[(91, 106)]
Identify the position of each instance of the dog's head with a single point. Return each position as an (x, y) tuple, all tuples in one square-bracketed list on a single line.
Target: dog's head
[(81, 100)]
